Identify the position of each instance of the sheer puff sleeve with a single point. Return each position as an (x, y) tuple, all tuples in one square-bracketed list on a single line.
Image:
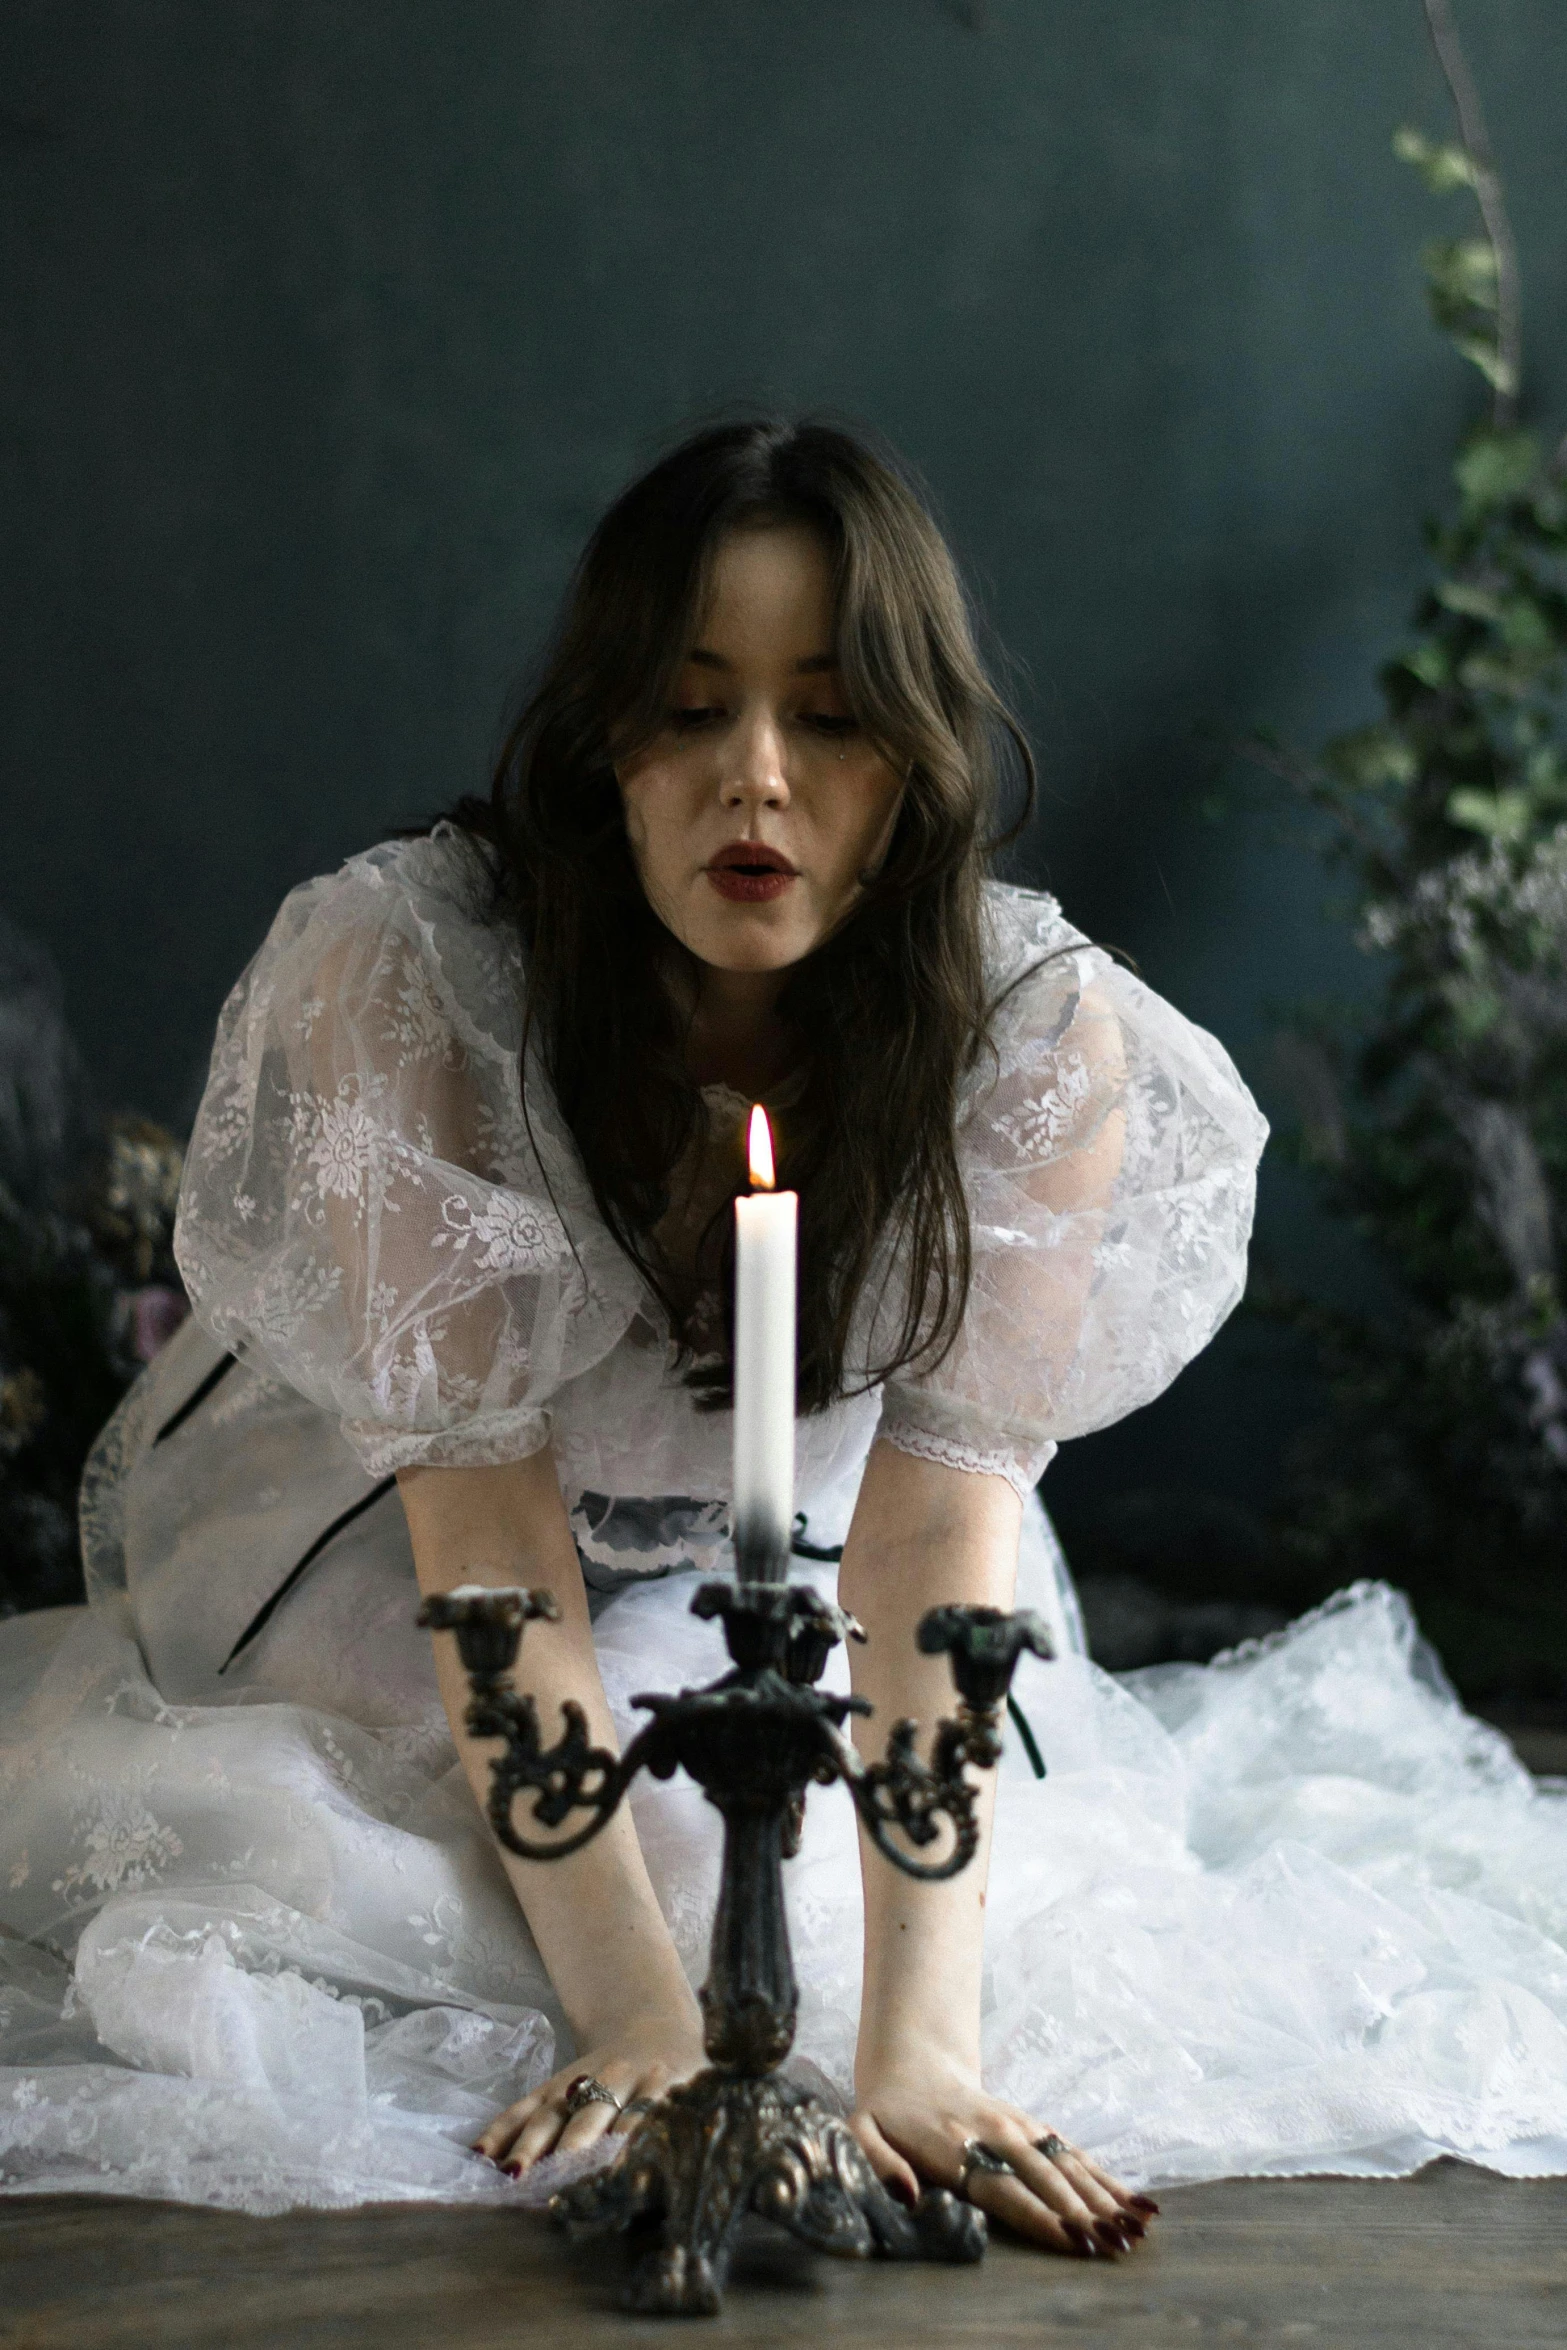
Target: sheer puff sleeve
[(366, 1206), (1109, 1153)]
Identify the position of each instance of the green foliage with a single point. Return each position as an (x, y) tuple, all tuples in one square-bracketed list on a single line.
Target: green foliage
[(1445, 1459), (1463, 274)]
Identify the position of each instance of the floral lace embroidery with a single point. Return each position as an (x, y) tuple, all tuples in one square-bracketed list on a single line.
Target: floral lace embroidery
[(122, 1845), (516, 1234), (973, 1460), (1042, 1120), (421, 1024), (342, 1150)]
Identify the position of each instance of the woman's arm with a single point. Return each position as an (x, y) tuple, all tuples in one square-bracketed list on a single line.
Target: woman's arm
[(924, 1535), (594, 1916)]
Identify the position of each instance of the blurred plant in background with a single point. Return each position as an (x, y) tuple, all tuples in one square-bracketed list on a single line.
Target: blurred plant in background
[(88, 1289), (1439, 1127)]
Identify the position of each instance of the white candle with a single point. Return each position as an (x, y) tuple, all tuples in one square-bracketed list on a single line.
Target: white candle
[(765, 1227)]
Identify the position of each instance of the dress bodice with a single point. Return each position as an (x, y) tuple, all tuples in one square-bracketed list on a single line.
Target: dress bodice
[(385, 1206)]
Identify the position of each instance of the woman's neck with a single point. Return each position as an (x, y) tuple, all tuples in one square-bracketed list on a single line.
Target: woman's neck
[(736, 1036)]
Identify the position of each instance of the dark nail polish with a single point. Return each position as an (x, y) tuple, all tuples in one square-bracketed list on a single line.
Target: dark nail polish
[(1132, 2225), (1082, 2242), (513, 2170), (1145, 2203), (1111, 2237), (901, 2192)]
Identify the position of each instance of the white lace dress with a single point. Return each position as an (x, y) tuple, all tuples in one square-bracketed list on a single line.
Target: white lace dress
[(1292, 1911)]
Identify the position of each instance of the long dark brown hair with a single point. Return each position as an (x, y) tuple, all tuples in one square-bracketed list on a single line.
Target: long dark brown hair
[(892, 1010)]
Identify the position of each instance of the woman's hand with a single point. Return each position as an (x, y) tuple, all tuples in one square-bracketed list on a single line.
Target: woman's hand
[(640, 2059), (594, 1915), (924, 1534), (914, 2125)]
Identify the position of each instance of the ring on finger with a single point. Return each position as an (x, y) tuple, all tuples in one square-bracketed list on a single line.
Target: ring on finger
[(639, 2105), (977, 2156), (587, 2089), (1050, 2146)]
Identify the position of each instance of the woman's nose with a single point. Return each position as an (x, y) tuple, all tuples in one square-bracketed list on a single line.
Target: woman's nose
[(754, 770)]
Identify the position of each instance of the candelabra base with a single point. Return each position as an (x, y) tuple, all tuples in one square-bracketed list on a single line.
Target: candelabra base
[(726, 2144)]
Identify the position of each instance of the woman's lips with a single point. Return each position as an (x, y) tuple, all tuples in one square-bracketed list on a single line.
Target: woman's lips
[(746, 873), (749, 885)]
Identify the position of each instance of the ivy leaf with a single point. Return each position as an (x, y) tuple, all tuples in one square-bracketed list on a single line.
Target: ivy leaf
[(1481, 353), (1549, 500), (1486, 673), (1372, 756), (1476, 603), (1502, 816), (1527, 629), (1429, 662), (1495, 467), (1441, 165), (1474, 1006), (1547, 775), (1460, 277)]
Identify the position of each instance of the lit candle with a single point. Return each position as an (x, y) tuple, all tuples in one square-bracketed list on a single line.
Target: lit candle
[(764, 1367)]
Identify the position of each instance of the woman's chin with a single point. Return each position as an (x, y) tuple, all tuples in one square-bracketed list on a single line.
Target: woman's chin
[(751, 937)]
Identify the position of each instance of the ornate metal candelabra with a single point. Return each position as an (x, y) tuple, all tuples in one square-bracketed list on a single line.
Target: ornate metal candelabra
[(739, 2137)]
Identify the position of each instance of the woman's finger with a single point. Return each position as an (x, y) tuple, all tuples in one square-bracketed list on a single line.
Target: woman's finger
[(1104, 2200), (1012, 2200), (935, 2150), (1114, 2207), (590, 2122), (1076, 2199), (1046, 2158), (1043, 2199), (1118, 2218), (585, 2128), (539, 2136), (896, 2173), (1144, 2205), (498, 2139), (640, 2099), (1038, 2175)]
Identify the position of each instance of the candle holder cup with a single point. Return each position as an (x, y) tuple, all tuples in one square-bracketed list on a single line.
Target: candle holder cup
[(740, 2136)]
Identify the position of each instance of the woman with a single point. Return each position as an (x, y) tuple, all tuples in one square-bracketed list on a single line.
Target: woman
[(737, 850), (455, 1228)]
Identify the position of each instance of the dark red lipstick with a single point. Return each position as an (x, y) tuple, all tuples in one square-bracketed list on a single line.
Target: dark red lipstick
[(747, 872)]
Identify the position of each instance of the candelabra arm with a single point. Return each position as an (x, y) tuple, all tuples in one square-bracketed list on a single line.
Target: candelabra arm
[(571, 1776), (903, 1800)]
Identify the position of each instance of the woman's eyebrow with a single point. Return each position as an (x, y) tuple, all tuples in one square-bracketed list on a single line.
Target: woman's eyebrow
[(812, 666)]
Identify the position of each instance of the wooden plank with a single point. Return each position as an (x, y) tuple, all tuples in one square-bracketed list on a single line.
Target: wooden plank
[(1448, 2261)]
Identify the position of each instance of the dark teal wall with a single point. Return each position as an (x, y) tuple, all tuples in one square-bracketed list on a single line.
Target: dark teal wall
[(332, 325)]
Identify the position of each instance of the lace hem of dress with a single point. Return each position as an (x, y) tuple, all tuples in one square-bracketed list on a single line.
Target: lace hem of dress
[(479, 1444), (974, 1460)]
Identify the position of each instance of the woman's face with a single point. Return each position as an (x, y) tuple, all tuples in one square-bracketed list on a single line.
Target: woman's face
[(759, 806)]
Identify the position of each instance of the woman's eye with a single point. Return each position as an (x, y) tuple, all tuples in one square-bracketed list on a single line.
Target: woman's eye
[(687, 718), (823, 723)]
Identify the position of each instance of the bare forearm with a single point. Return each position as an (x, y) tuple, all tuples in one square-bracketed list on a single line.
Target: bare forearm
[(594, 1916), (922, 1535)]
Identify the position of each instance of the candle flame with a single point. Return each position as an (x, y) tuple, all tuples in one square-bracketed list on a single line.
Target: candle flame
[(760, 1147)]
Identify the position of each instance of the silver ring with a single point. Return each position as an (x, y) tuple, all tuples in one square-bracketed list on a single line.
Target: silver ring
[(586, 2089), (978, 2156), (639, 2105), (1050, 2146)]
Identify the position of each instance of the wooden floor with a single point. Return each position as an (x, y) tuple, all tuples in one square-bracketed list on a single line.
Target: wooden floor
[(1454, 2257)]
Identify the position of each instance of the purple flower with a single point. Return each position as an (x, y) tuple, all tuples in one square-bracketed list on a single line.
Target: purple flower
[(156, 1313)]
